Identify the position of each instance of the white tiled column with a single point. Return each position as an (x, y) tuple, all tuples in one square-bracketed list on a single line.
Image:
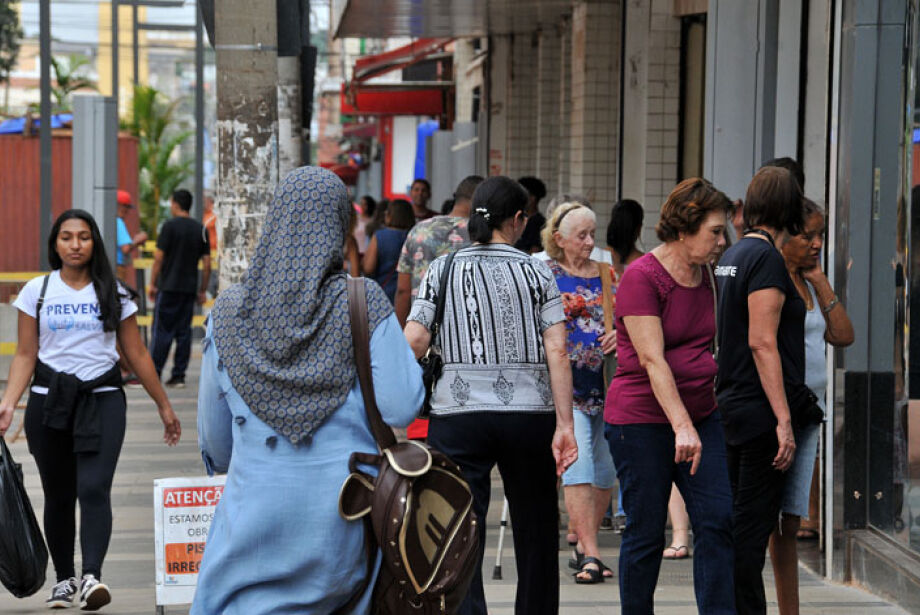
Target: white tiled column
[(522, 107), (564, 117), (549, 57), (595, 103)]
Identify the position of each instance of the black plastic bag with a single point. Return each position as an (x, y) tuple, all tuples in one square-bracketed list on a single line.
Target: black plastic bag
[(23, 555)]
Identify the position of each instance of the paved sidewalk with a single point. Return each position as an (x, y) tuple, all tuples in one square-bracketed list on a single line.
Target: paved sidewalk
[(129, 566)]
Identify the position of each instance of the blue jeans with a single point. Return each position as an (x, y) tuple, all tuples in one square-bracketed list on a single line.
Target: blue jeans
[(644, 458)]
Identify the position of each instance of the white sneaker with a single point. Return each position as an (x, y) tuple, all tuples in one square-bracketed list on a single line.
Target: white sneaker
[(62, 594), (93, 594)]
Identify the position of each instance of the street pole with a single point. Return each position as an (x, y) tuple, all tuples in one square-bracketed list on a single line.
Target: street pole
[(115, 54), (44, 131), (246, 43), (199, 117), (134, 44)]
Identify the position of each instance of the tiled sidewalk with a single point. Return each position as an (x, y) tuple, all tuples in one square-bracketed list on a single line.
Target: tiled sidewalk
[(129, 566)]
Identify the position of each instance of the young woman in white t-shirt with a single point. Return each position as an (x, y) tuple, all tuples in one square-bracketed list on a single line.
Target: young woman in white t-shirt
[(75, 417)]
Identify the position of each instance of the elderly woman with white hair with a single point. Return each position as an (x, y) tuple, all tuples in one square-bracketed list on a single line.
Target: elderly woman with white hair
[(568, 237)]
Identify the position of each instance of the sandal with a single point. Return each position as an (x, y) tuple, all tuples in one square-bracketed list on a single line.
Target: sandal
[(806, 534), (577, 559), (678, 552), (595, 575)]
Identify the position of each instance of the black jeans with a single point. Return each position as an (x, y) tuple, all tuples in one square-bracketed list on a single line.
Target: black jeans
[(68, 477), (521, 446), (172, 319), (757, 491)]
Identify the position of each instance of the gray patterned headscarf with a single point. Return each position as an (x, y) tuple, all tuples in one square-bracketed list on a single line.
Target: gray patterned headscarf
[(283, 333)]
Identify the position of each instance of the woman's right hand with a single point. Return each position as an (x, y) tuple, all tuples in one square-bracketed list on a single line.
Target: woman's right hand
[(786, 439), (687, 446), (172, 429), (6, 416)]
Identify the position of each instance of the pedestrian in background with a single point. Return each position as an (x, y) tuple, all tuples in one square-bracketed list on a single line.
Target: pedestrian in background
[(663, 424), (382, 255), (125, 242), (623, 233), (826, 322), (69, 324), (420, 195), (531, 240), (174, 285), (588, 483), (280, 409), (761, 361), (505, 396)]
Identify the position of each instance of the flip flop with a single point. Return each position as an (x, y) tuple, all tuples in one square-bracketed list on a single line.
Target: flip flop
[(806, 534), (594, 575), (675, 552)]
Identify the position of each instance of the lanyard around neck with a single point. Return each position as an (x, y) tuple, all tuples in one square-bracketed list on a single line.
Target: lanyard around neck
[(762, 233)]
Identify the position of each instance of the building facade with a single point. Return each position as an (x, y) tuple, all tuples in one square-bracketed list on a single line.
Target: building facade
[(624, 98)]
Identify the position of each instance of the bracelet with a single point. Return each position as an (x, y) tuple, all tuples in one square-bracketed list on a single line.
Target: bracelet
[(830, 306)]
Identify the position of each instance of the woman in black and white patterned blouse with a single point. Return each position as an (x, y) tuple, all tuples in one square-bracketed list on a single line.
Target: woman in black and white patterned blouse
[(505, 396)]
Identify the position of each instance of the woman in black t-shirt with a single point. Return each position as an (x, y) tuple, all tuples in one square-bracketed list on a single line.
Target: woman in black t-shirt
[(762, 356)]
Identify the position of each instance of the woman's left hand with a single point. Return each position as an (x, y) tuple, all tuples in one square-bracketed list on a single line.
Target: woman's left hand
[(608, 342), (565, 450), (172, 429)]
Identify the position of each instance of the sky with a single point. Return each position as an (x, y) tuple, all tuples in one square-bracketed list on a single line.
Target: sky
[(77, 21)]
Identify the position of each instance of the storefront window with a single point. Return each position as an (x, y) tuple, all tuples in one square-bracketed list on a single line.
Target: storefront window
[(905, 447)]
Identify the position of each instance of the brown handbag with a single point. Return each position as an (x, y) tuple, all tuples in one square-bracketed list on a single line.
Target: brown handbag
[(418, 508)]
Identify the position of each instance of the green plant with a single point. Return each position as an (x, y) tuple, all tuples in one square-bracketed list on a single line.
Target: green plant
[(10, 35), (161, 169), (68, 79)]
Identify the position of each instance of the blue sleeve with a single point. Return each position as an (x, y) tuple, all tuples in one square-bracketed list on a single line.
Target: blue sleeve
[(215, 438), (122, 238), (397, 376)]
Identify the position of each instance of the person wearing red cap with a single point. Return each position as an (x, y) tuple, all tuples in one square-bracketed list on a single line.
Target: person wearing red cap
[(123, 239)]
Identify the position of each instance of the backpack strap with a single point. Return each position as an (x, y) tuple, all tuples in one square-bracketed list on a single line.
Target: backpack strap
[(39, 304), (357, 311), (715, 310), (442, 290), (607, 295)]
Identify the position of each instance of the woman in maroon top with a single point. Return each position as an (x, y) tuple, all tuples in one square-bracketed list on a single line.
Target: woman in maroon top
[(662, 424)]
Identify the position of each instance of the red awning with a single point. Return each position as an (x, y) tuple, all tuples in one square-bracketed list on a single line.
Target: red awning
[(400, 99), (397, 98), (401, 57)]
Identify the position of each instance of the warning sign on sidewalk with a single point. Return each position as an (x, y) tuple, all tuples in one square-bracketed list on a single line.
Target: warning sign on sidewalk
[(183, 511)]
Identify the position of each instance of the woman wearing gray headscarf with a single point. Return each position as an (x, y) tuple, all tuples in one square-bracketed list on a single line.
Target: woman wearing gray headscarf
[(280, 410)]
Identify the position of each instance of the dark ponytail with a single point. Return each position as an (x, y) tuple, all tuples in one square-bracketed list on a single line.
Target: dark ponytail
[(624, 227), (100, 271), (495, 200)]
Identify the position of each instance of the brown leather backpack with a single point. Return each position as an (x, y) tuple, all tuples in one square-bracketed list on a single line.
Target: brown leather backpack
[(418, 508)]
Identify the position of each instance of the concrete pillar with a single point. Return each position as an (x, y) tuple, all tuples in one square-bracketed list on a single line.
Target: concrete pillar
[(549, 56), (247, 127), (290, 122), (595, 103)]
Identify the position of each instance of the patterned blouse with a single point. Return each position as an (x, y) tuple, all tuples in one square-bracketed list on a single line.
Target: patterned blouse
[(499, 302), (583, 300)]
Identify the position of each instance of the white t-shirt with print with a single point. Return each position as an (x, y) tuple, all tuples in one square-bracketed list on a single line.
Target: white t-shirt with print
[(71, 339)]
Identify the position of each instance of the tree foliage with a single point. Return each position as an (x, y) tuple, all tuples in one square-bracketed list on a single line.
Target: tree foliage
[(68, 78), (161, 169), (10, 35)]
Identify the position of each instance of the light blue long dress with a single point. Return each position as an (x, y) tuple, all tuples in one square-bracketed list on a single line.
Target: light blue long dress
[(277, 543)]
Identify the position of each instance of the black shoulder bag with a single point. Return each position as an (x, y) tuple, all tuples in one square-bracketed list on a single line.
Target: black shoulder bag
[(432, 363)]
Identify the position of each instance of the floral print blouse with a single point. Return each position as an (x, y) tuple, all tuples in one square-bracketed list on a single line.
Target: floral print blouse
[(582, 300)]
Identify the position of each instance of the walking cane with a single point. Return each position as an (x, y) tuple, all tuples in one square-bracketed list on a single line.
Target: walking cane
[(497, 571)]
